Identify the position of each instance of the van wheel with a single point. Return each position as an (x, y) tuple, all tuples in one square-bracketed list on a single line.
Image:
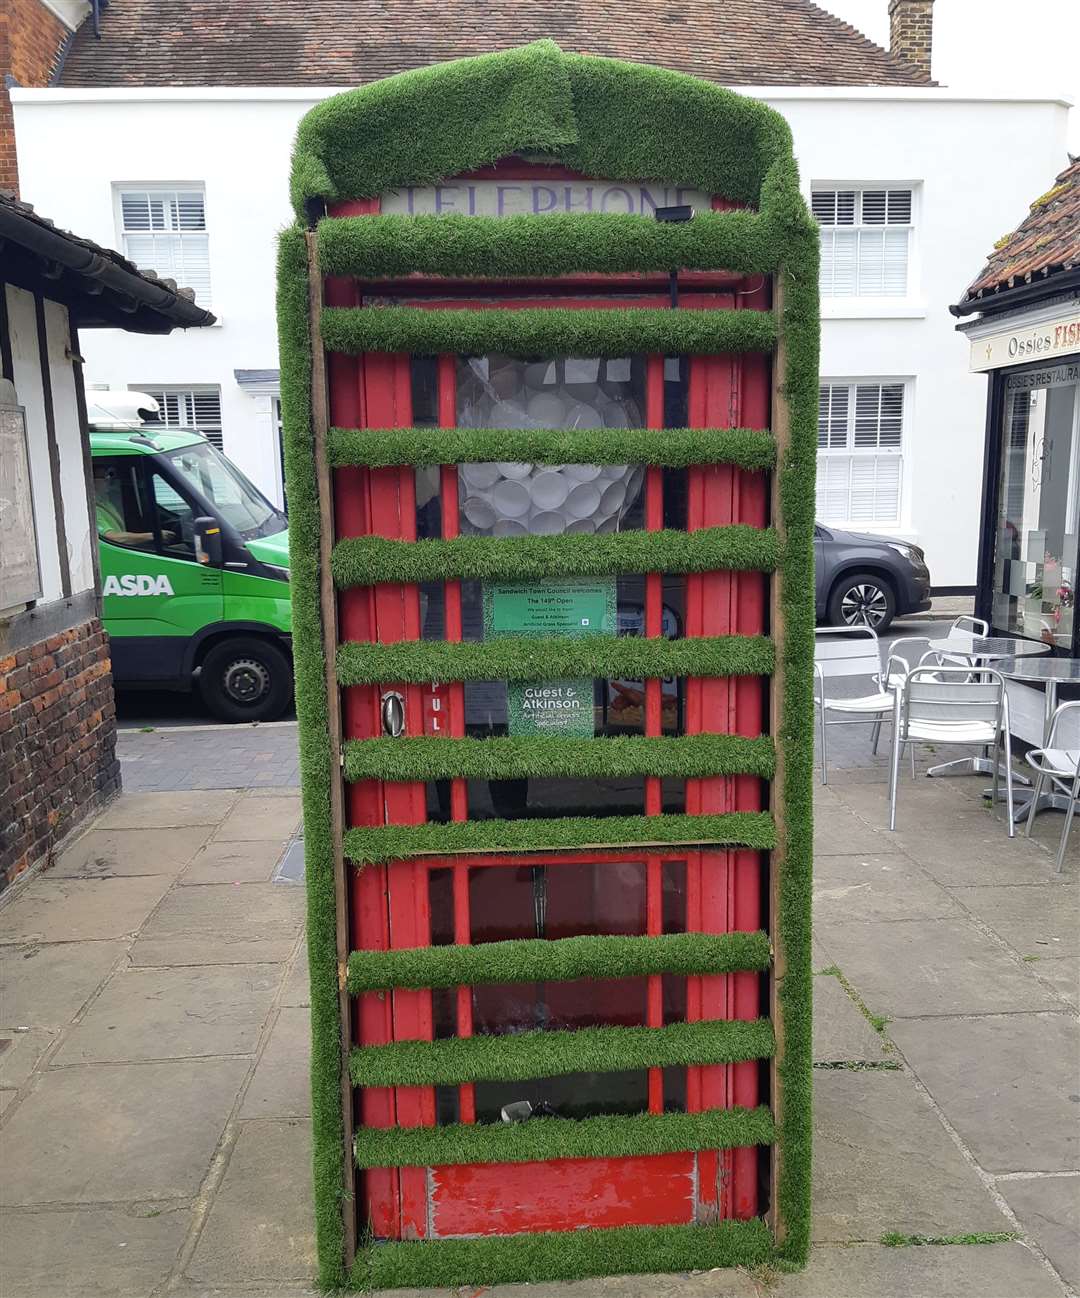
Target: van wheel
[(862, 599), (246, 679)]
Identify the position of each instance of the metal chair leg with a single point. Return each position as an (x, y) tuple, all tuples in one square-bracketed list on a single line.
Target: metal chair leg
[(1059, 865), (894, 775), (877, 736), (911, 754), (1009, 783), (996, 760), (1036, 793), (824, 752)]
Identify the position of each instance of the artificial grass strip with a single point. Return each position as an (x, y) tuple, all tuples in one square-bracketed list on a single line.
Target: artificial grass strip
[(378, 844), (516, 757), (542, 1139), (525, 658), (564, 960), (561, 1255), (544, 331), (564, 243), (522, 1055), (675, 448), (368, 560)]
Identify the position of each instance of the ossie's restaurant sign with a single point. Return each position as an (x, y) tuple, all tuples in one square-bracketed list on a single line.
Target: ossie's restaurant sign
[(1057, 337), (538, 197)]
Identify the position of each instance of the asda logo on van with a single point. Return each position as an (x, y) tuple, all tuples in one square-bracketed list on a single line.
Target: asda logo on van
[(141, 583)]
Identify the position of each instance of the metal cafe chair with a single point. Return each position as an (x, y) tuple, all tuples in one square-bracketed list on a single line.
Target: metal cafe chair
[(899, 648), (1061, 766), (846, 652), (944, 705)]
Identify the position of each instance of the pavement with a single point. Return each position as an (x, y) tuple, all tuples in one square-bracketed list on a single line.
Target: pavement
[(154, 1109)]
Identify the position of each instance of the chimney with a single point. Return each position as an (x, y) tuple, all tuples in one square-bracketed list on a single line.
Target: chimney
[(911, 30)]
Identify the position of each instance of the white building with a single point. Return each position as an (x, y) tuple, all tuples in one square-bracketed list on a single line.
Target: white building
[(911, 182)]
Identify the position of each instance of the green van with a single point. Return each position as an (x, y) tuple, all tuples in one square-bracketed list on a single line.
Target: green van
[(194, 571)]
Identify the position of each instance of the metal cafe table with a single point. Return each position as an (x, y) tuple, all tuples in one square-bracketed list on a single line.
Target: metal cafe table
[(1050, 672), (981, 651)]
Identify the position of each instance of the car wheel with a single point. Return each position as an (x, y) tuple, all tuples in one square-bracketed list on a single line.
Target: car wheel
[(862, 599), (246, 679)]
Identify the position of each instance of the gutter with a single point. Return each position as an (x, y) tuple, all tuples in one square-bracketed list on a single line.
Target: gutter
[(53, 246), (1020, 295)]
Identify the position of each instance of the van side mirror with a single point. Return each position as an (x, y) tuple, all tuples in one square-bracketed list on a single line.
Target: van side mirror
[(208, 548)]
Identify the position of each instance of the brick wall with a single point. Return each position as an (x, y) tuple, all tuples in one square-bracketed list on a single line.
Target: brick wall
[(30, 41), (57, 742), (911, 31)]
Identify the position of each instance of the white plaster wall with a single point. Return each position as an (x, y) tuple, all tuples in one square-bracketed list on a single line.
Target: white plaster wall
[(976, 164), (69, 440)]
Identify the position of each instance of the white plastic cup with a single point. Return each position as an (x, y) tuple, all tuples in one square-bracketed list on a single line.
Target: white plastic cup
[(583, 501), (509, 527), (479, 512), (480, 476), (547, 523), (581, 525), (614, 498), (548, 490), (510, 499), (512, 470), (582, 472), (546, 410)]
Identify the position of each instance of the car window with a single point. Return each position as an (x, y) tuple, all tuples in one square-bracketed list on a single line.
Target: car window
[(176, 519), (123, 510)]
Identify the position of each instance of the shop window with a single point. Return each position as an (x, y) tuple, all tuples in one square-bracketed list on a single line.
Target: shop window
[(198, 408), (1035, 538), (865, 241), (164, 230), (860, 452)]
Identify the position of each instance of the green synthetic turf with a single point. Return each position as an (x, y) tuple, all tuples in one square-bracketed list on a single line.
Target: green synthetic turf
[(561, 1255), (610, 1136), (366, 560), (563, 960), (673, 448), (621, 122), (515, 757), (546, 331), (521, 1055), (534, 658), (377, 844), (371, 247)]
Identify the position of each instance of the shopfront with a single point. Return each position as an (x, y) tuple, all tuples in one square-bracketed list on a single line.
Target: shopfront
[(554, 447), (1025, 336)]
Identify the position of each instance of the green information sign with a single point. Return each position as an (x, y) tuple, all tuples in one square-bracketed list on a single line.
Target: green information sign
[(573, 606), (570, 606), (552, 708)]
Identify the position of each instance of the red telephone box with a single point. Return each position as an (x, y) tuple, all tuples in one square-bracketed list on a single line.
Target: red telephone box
[(555, 773)]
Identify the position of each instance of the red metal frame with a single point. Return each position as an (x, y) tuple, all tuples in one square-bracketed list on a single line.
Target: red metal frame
[(390, 906)]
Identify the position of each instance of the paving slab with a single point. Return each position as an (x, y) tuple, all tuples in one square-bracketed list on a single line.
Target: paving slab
[(1063, 974), (1035, 919), (263, 816), (281, 1087), (1006, 1270), (959, 847), (168, 810), (837, 832), (875, 887), (1048, 1208), (114, 1253), (297, 990), (173, 1014), (118, 1132), (73, 910), (46, 986), (102, 853), (936, 966), (19, 1052), (5, 1099), (883, 1161), (841, 1032), (234, 862), (261, 1225), (1008, 1084), (243, 924)]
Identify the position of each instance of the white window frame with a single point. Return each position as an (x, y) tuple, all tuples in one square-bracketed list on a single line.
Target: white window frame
[(188, 390), (861, 305), (165, 187), (849, 452)]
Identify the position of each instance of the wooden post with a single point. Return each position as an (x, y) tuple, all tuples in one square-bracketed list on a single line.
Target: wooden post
[(781, 427), (328, 605)]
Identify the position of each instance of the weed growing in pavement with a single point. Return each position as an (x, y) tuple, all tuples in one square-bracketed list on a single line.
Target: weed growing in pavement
[(879, 1022), (894, 1238)]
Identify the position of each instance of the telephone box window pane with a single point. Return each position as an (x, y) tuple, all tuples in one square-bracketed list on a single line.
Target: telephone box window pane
[(556, 901), (428, 502), (616, 707), (576, 1095), (674, 996), (629, 607), (675, 498), (673, 885), (525, 1007), (568, 392), (425, 391), (525, 499), (441, 905), (531, 799), (676, 389), (674, 1080), (432, 610)]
